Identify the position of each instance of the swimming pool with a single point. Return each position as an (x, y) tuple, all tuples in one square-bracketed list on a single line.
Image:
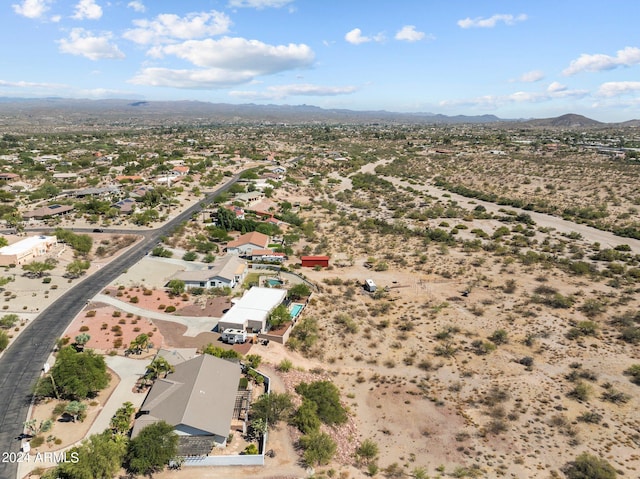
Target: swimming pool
[(274, 282), (295, 309)]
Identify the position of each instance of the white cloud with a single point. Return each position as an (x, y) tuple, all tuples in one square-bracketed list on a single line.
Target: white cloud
[(531, 77), (555, 87), (355, 37), (492, 21), (224, 62), (259, 4), (553, 92), (84, 43), (408, 33), (240, 54), (88, 10), (299, 89), (598, 62), (169, 27), (137, 6), (32, 8), (618, 88), (26, 84), (99, 93), (193, 79)]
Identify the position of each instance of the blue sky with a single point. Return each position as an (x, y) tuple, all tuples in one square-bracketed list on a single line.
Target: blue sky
[(511, 58)]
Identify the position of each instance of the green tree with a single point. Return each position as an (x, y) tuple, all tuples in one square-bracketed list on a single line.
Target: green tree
[(279, 316), (121, 420), (8, 321), (306, 417), (587, 466), (299, 291), (4, 340), (140, 342), (75, 409), (272, 408), (253, 360), (81, 243), (176, 286), (159, 366), (81, 339), (318, 447), (152, 449), (220, 352), (77, 268), (38, 268), (99, 457), (78, 375), (326, 396), (3, 241)]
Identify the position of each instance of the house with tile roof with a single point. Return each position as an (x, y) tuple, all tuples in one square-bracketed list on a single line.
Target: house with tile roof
[(227, 271), (246, 243)]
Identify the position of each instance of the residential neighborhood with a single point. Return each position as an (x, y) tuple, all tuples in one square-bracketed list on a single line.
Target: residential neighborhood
[(250, 282)]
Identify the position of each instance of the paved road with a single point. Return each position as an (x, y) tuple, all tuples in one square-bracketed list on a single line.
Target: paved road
[(21, 363)]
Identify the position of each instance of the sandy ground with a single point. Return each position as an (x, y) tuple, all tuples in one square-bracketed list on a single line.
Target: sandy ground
[(432, 411)]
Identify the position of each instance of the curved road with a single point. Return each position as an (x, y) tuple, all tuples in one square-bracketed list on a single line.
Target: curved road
[(21, 364)]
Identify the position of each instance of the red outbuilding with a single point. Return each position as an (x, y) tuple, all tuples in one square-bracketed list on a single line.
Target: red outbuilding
[(312, 261)]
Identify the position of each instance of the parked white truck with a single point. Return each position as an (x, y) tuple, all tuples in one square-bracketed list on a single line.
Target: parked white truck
[(234, 336)]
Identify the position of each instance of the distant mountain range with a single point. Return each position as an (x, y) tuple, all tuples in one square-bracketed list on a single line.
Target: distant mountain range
[(63, 111)]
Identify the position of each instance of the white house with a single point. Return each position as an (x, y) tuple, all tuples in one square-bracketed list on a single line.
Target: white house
[(226, 271), (252, 310), (246, 243), (25, 250)]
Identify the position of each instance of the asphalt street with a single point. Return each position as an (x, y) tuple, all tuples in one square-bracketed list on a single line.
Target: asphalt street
[(22, 363)]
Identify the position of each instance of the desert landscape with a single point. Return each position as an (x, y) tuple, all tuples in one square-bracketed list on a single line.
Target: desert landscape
[(500, 338)]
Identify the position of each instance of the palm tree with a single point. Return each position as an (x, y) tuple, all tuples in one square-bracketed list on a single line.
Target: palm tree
[(158, 366), (140, 342)]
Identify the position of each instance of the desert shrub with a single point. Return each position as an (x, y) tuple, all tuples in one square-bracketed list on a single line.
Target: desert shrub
[(587, 466), (580, 392), (90, 314), (590, 417), (306, 417), (614, 396), (583, 328), (134, 300), (250, 449), (634, 373), (170, 309), (8, 321), (318, 447), (592, 308), (326, 396), (37, 441), (499, 336), (481, 347), (285, 365)]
